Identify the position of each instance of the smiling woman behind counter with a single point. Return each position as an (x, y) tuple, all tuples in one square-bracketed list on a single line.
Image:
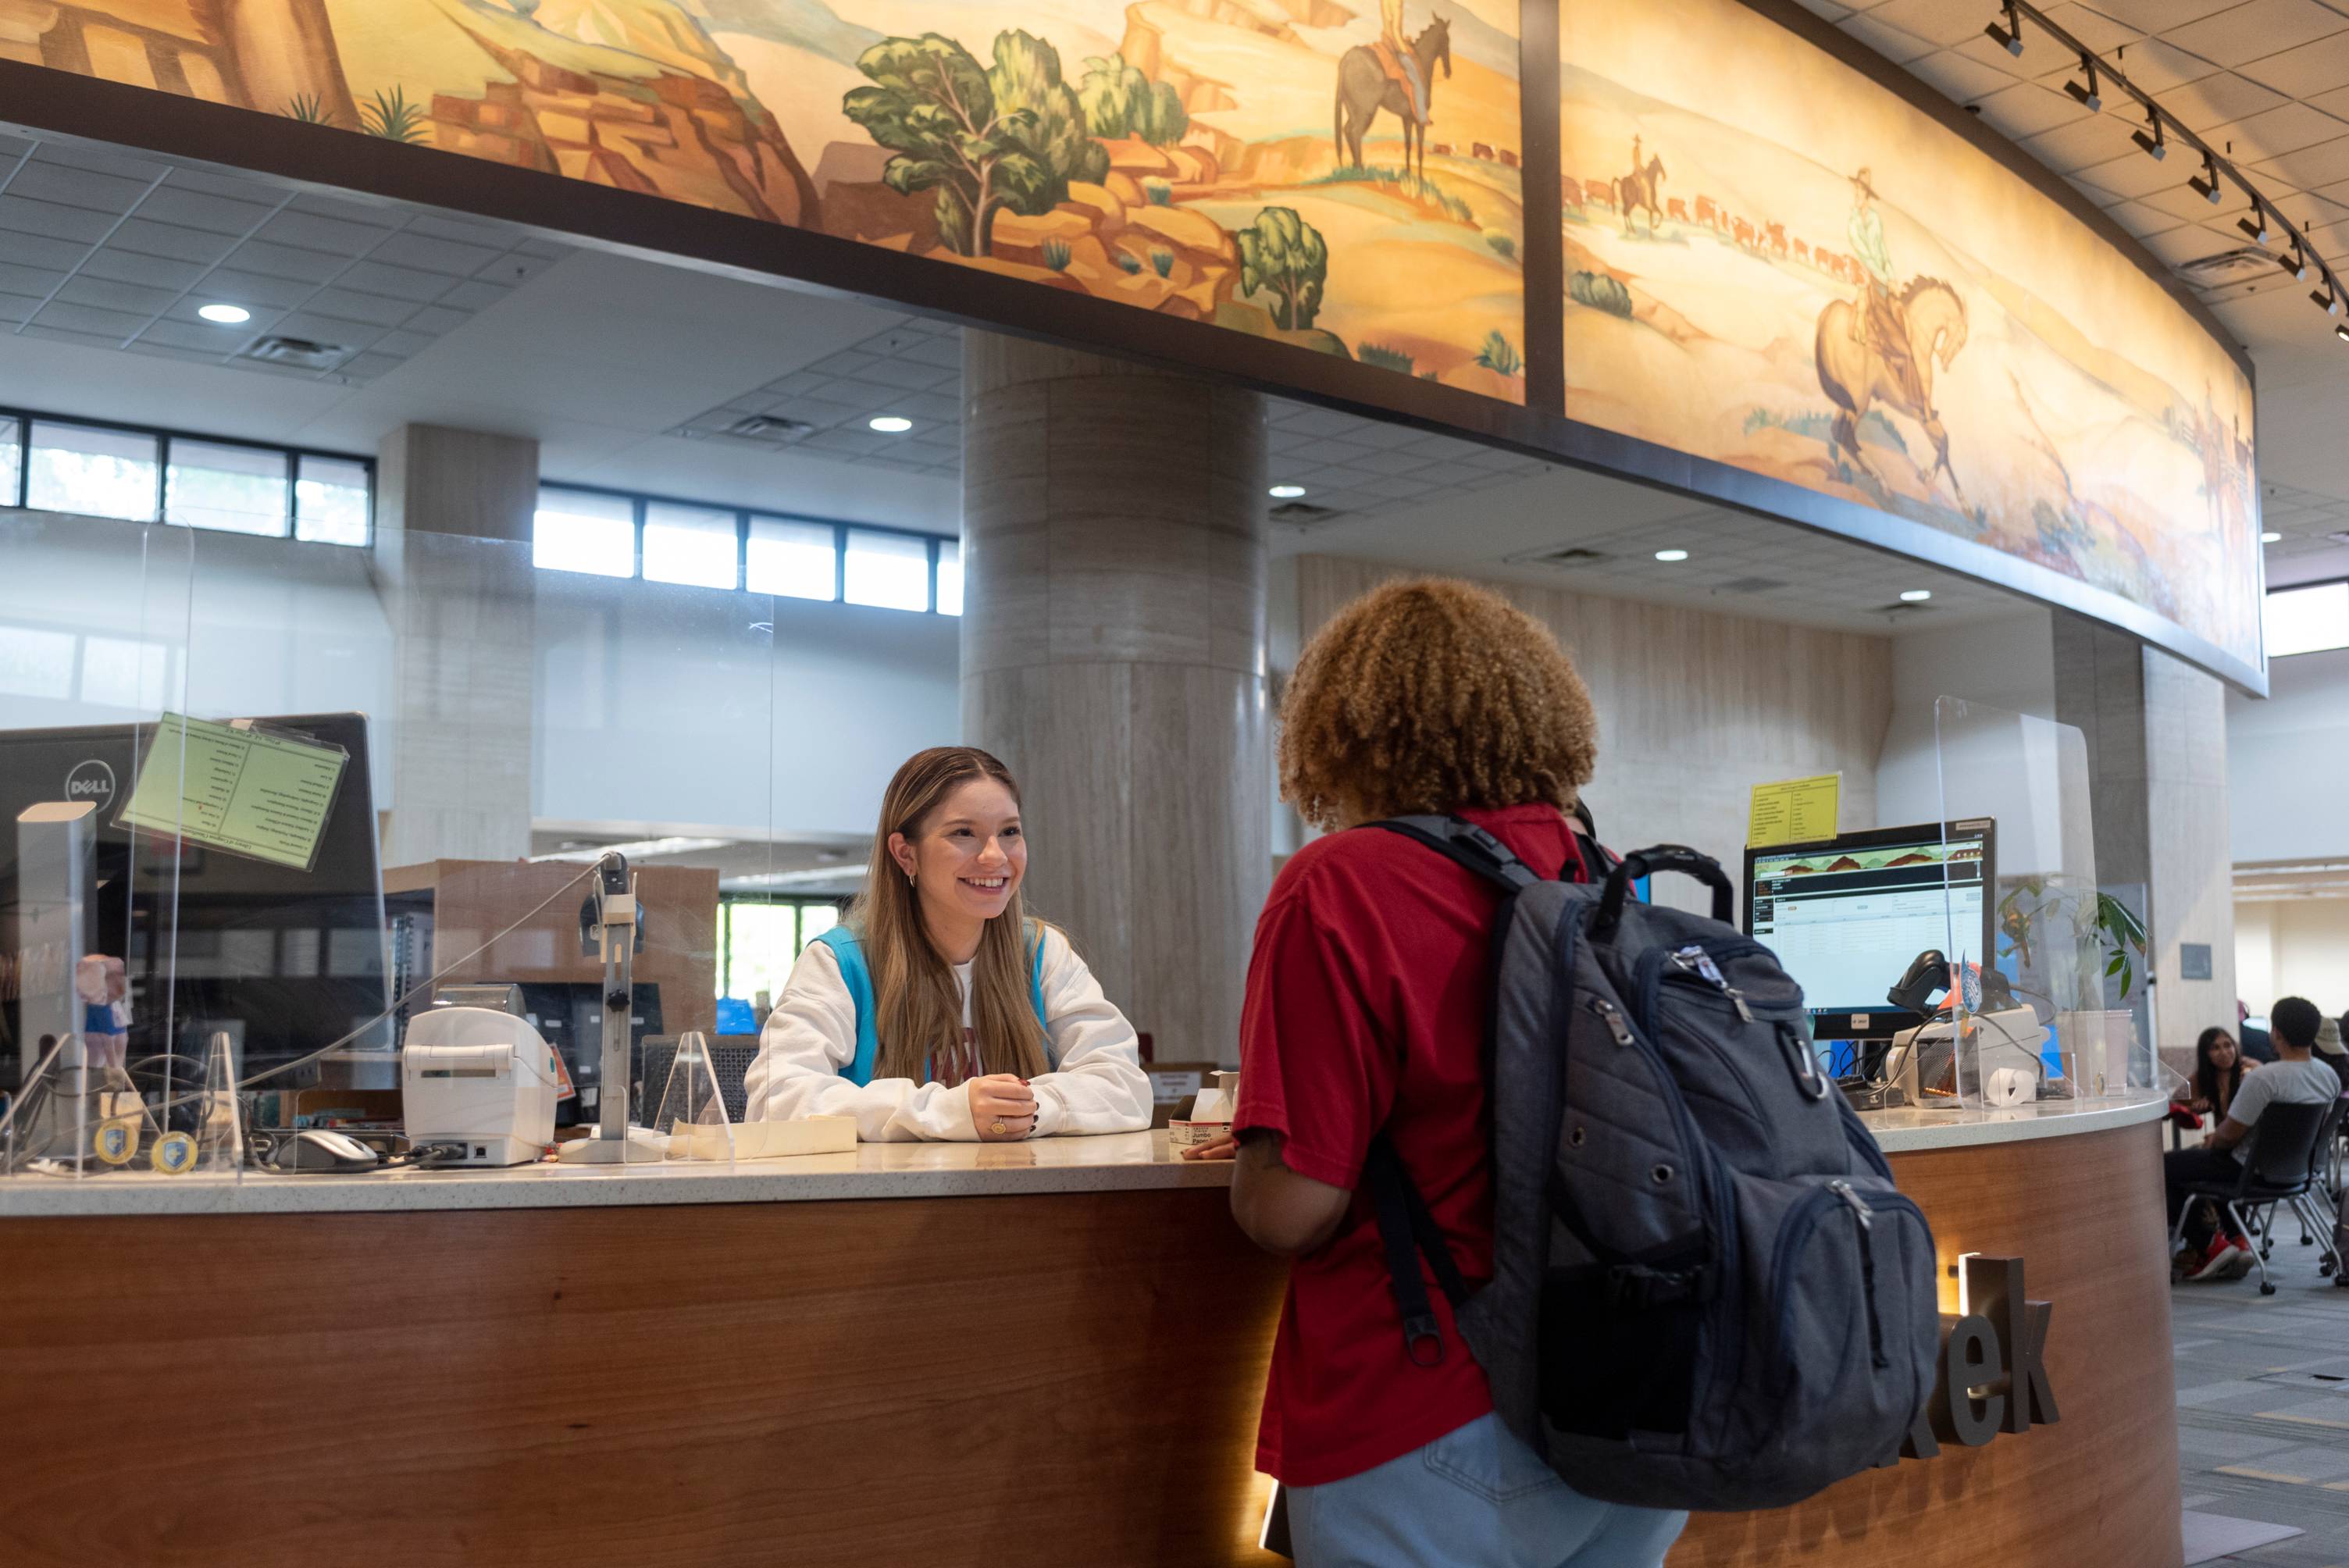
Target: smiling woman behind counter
[(937, 1010)]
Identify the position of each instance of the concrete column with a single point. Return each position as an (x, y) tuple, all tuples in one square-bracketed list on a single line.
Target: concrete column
[(453, 512), (2157, 740), (1114, 654)]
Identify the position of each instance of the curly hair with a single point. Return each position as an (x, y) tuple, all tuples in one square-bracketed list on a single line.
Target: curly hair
[(1428, 696)]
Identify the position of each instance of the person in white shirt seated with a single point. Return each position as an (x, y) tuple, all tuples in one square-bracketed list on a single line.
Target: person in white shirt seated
[(937, 1010), (2294, 1078)]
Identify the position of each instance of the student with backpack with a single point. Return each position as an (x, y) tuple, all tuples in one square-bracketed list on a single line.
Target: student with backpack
[(1365, 1016), (1461, 1041), (937, 1010)]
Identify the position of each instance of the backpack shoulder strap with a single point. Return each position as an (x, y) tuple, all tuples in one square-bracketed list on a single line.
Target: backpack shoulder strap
[(1467, 844), (859, 981), (1409, 1232), (1034, 930)]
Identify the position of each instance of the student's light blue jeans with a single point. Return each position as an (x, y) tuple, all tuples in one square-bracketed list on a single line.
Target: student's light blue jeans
[(1476, 1498)]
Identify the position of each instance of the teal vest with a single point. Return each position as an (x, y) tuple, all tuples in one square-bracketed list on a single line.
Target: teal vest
[(859, 979)]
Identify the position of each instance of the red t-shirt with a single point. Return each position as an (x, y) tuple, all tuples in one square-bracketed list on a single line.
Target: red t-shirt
[(1366, 998)]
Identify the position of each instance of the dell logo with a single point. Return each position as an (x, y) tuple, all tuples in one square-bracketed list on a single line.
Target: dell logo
[(93, 781)]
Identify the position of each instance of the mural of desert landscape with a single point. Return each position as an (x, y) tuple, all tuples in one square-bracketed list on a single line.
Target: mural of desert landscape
[(1238, 162), (1762, 269)]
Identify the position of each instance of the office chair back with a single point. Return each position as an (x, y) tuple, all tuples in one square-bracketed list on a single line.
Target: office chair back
[(2279, 1157)]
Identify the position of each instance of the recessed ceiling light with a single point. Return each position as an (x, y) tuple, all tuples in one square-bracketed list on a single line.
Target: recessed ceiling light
[(891, 424), (1672, 555), (1286, 492), (2270, 538), (226, 314), (1915, 595)]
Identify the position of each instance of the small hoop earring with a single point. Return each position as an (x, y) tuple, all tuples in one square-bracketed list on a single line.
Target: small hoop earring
[(909, 878)]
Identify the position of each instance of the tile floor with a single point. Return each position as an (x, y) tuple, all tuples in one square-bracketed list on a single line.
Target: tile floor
[(2263, 1405)]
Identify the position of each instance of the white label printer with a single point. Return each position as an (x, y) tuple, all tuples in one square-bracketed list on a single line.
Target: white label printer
[(480, 1081)]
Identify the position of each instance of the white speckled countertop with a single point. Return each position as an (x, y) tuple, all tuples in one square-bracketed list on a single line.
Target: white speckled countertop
[(1122, 1161), (1910, 1128), (1129, 1161)]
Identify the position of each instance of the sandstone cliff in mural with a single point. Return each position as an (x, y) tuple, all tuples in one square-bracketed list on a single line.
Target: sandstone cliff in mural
[(627, 93), (1284, 168)]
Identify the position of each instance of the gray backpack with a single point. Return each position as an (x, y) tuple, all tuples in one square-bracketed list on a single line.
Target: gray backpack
[(1706, 1291)]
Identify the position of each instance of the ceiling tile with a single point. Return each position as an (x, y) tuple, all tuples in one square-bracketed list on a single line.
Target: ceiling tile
[(113, 295), (474, 296), (400, 283), (367, 367), (203, 335), (35, 281), (44, 181), (315, 231), (2158, 66), (1935, 21), (2335, 103), (2327, 163), (32, 251), (2304, 69), (2158, 16), (117, 324), (2274, 133), (173, 241), (130, 267), (431, 254), (2086, 141), (2219, 97), (376, 308), (435, 319), (2136, 174), (285, 262), (1894, 45), (195, 209), (2026, 108), (2256, 29), (60, 335), (230, 187), (2042, 54), (101, 159), (20, 215), (252, 288), (464, 231), (2092, 26)]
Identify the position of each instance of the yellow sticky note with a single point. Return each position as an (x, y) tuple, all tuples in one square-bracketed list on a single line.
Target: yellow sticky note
[(1795, 811)]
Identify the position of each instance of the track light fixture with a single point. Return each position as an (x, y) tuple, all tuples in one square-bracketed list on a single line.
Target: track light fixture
[(2206, 184), (2261, 224), (2009, 37), (2088, 98)]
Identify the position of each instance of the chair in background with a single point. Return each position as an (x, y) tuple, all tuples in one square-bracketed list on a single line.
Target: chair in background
[(2282, 1161)]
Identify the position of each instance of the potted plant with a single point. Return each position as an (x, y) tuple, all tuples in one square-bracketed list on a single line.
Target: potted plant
[(2042, 917)]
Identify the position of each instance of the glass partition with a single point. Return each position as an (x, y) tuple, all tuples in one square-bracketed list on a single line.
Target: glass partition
[(2033, 935)]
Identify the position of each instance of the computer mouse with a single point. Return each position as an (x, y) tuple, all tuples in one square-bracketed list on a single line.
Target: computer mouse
[(319, 1149)]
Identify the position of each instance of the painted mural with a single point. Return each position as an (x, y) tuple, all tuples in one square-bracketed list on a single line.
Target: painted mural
[(1335, 175), (1774, 264)]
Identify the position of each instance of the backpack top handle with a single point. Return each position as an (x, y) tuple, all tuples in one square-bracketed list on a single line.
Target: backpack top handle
[(1660, 857)]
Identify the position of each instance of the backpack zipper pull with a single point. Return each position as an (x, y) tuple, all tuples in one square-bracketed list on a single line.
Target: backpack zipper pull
[(1867, 1218), (1696, 961), (1613, 1018)]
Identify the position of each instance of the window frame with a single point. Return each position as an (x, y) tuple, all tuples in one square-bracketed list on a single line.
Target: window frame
[(841, 528), (22, 419)]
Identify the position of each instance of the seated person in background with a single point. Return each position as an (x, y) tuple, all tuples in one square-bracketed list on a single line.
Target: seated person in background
[(2256, 1046), (2219, 1069), (2331, 1052), (936, 1009), (2294, 1079)]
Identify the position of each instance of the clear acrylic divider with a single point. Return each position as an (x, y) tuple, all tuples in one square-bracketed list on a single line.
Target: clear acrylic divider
[(693, 1107), (2028, 943)]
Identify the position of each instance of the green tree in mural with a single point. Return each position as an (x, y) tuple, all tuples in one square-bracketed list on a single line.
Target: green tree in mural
[(983, 139), (1283, 254), (1118, 100)]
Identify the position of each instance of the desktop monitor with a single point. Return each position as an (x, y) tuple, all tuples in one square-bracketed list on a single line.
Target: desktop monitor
[(284, 960), (1847, 916)]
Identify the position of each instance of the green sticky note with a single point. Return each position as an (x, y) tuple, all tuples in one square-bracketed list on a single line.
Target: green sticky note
[(247, 791)]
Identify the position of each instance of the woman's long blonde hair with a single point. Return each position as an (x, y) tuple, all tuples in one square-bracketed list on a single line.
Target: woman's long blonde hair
[(918, 1006)]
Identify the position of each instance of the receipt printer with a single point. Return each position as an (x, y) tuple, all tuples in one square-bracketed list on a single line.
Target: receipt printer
[(479, 1081)]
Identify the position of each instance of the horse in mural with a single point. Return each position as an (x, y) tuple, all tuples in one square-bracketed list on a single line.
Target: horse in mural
[(1364, 88), (1856, 373), (1641, 191)]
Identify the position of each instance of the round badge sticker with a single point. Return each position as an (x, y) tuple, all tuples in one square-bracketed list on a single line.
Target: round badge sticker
[(174, 1155), (116, 1140)]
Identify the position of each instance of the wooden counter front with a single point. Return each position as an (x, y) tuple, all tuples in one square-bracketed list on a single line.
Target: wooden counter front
[(1069, 1377), (2098, 1488)]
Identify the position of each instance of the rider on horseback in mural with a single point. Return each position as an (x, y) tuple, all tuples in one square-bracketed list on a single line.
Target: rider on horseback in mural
[(1877, 322), (1395, 54)]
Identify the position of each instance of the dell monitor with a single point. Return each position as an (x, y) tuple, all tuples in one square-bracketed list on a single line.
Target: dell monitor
[(284, 958), (1847, 916)]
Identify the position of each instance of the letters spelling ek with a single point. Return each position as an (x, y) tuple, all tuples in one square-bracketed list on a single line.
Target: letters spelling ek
[(1992, 1373)]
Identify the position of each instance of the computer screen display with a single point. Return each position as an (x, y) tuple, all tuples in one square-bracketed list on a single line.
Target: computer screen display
[(1847, 916)]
